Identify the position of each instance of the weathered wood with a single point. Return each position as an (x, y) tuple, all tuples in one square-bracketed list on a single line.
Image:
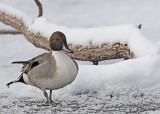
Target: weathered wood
[(89, 53), (104, 52)]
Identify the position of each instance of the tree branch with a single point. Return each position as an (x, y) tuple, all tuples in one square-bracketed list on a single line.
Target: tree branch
[(9, 32), (39, 7)]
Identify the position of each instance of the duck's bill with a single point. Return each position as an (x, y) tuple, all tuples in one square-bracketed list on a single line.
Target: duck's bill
[(67, 49)]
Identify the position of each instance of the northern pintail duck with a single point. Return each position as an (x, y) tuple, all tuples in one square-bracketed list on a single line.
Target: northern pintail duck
[(49, 71)]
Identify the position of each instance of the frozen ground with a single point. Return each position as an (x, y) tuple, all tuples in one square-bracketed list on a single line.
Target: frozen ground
[(116, 86)]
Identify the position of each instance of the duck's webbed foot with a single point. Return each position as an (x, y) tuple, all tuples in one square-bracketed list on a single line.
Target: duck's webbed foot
[(51, 103), (55, 103)]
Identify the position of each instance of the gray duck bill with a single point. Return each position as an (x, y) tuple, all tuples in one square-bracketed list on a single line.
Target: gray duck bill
[(67, 49)]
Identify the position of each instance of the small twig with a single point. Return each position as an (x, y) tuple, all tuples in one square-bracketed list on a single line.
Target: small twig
[(10, 32), (39, 7), (139, 26)]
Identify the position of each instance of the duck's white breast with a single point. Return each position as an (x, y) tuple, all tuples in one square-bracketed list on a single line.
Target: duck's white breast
[(66, 70)]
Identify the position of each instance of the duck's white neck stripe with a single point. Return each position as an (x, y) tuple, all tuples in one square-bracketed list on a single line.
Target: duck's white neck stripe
[(59, 56), (54, 52)]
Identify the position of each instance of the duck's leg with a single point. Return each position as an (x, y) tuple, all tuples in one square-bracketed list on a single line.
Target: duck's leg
[(46, 95), (50, 95), (49, 101), (50, 98)]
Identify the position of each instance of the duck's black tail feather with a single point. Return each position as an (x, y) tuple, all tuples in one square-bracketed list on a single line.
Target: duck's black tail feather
[(11, 83), (20, 62), (20, 79)]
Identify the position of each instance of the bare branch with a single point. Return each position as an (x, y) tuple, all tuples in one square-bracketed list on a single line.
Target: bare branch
[(10, 32), (39, 7)]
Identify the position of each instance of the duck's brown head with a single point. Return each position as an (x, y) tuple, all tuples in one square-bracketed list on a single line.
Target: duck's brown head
[(58, 42)]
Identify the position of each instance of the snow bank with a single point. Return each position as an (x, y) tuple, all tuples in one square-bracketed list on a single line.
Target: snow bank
[(137, 74), (97, 78), (125, 34), (142, 73)]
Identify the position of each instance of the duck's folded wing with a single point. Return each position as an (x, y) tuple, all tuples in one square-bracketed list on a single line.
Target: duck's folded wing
[(30, 64)]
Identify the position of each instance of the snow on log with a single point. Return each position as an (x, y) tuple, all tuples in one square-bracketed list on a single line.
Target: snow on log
[(90, 44)]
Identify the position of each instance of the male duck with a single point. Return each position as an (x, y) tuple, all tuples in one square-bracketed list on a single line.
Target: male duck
[(50, 71)]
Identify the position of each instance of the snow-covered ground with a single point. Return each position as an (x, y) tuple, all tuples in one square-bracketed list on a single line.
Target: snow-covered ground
[(134, 84), (114, 86)]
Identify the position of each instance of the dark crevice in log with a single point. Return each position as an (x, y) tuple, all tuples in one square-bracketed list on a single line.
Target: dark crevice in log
[(39, 8), (95, 62)]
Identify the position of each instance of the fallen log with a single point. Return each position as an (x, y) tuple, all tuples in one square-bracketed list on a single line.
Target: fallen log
[(85, 53)]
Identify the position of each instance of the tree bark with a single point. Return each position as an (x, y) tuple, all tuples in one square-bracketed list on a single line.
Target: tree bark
[(104, 52)]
